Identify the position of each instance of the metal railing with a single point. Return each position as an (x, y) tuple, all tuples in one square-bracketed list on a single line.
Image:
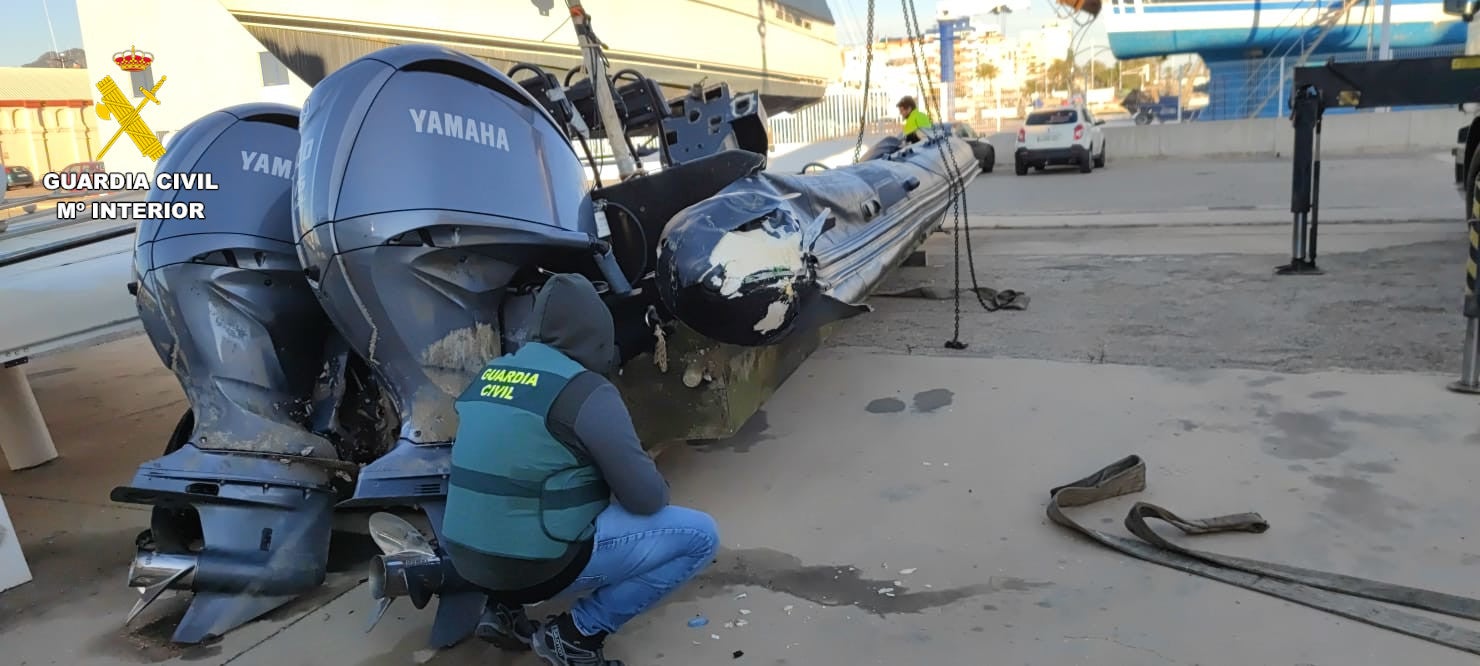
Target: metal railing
[(836, 116)]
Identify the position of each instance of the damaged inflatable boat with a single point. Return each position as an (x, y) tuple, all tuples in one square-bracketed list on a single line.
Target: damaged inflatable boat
[(322, 327)]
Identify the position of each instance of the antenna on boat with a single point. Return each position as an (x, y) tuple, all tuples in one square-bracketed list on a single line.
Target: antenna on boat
[(601, 84)]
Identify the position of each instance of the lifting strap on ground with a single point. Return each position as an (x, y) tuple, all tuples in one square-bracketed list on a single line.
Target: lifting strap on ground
[(1346, 596)]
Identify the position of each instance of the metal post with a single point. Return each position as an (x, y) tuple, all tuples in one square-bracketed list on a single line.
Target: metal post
[(1315, 199), (1385, 44), (947, 67), (601, 84), (1469, 370), (999, 108), (1306, 118)]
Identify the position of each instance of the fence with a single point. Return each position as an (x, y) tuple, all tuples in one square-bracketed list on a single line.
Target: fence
[(836, 116), (1260, 87)]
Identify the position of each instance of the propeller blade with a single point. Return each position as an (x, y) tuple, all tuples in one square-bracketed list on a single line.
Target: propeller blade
[(381, 606), (149, 594), (394, 535)]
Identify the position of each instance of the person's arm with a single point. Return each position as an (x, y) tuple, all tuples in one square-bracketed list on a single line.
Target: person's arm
[(604, 427)]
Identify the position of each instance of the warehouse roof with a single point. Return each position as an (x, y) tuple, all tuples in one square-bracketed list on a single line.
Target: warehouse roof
[(44, 84)]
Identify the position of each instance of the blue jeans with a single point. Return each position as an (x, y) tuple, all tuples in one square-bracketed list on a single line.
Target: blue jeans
[(636, 561)]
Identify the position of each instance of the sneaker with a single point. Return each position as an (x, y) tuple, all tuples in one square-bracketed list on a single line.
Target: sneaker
[(560, 643), (506, 627)]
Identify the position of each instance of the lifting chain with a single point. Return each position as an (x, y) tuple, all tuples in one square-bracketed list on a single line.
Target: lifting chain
[(868, 71), (953, 171)]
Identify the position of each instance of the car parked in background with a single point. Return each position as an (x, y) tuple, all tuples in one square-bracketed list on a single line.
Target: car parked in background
[(83, 167), (981, 148), (1067, 135), (17, 177)]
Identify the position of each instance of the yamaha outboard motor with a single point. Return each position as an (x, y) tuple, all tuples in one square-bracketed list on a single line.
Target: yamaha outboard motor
[(243, 497), (432, 192)]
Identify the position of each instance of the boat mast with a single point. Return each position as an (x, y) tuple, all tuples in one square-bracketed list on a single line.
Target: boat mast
[(606, 106)]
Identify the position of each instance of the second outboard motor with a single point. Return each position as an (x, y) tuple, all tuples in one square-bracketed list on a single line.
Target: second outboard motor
[(243, 497), (432, 191)]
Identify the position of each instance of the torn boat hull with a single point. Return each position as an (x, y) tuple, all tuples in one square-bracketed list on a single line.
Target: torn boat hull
[(775, 253)]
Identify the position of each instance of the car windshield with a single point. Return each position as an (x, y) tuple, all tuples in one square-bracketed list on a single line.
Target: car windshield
[(1063, 117)]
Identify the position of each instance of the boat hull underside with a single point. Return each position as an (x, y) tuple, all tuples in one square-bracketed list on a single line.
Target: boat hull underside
[(1231, 43), (1235, 29), (313, 55)]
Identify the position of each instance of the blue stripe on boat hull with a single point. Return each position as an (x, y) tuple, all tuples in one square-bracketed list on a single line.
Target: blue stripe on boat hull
[(1126, 45)]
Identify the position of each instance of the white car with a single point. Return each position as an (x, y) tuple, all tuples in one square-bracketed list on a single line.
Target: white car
[(1065, 135)]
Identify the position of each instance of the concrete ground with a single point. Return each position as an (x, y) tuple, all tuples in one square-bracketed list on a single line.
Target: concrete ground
[(889, 461)]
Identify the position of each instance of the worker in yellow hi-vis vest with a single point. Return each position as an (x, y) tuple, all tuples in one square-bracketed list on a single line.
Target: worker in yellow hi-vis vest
[(914, 119)]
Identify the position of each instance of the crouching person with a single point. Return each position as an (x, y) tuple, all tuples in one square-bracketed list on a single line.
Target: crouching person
[(551, 494)]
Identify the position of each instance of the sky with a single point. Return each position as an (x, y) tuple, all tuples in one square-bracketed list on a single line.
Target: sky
[(852, 15), (26, 35)]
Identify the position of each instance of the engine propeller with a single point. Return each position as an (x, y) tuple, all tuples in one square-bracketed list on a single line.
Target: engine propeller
[(407, 567)]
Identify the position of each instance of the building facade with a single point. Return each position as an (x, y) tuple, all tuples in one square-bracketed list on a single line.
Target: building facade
[(47, 120)]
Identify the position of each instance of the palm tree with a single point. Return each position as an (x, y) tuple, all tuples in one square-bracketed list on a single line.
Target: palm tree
[(989, 72)]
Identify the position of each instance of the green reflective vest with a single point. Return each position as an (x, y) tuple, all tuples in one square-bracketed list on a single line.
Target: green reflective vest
[(516, 491), (916, 121)]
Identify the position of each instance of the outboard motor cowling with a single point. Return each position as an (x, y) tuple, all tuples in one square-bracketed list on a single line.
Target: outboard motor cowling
[(432, 191), (245, 493), (427, 181)]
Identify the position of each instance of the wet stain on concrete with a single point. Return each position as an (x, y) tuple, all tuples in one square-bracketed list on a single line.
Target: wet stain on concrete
[(1298, 468), (1044, 604), (978, 629), (988, 607), (1322, 395), (1385, 420), (1187, 426), (1373, 467), (900, 493), (1383, 549), (1261, 396), (929, 401), (1470, 559), (1361, 502), (1077, 268), (1264, 381), (885, 406), (827, 584), (744, 439), (1473, 439), (1015, 584), (1304, 436)]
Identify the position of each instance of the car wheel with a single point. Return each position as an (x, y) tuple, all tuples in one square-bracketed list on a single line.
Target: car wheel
[(1086, 163), (1020, 168), (986, 165), (1100, 161)]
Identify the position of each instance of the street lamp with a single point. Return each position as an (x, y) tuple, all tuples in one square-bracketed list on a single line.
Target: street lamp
[(1093, 52)]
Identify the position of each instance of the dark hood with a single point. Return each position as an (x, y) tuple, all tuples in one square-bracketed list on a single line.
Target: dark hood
[(570, 316)]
